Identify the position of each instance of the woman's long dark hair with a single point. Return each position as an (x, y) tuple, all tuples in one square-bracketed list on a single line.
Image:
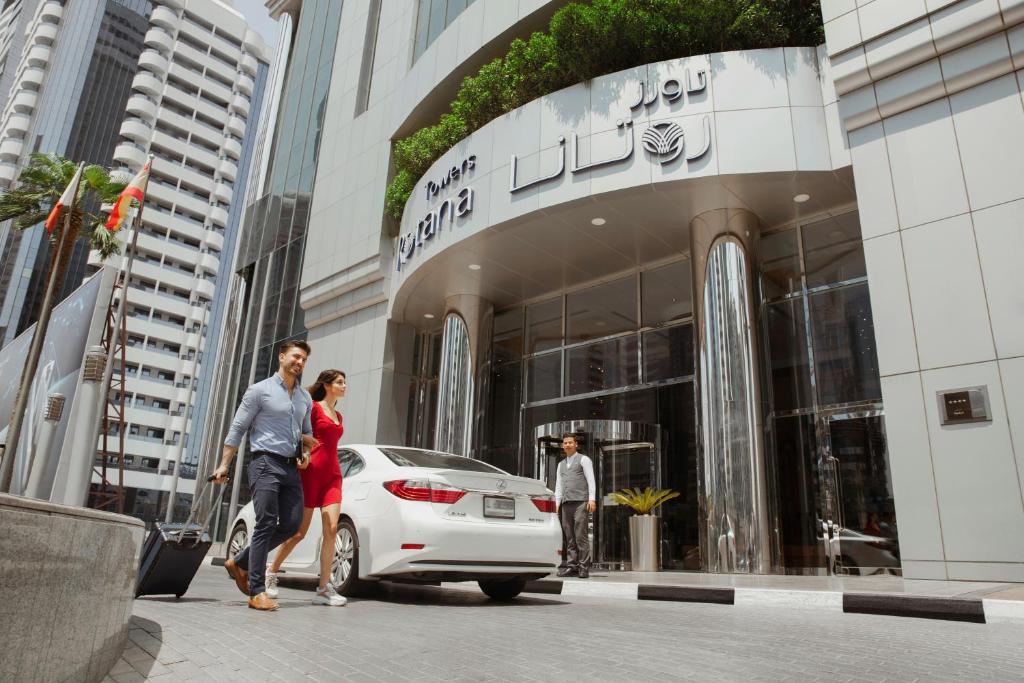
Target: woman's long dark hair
[(318, 390)]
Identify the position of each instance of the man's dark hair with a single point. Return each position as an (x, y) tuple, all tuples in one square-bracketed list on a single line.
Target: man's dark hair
[(294, 343), (569, 435)]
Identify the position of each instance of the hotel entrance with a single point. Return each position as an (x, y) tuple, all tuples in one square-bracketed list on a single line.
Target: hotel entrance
[(625, 455)]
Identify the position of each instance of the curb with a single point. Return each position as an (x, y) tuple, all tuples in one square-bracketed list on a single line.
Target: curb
[(970, 610)]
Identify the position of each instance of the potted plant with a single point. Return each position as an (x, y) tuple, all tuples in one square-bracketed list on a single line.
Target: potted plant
[(643, 526)]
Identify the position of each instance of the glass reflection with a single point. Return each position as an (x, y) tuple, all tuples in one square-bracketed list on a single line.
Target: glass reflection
[(666, 293), (833, 251), (845, 359), (780, 264), (604, 365), (544, 377), (544, 326), (788, 364), (668, 353), (508, 333), (798, 496), (601, 311)]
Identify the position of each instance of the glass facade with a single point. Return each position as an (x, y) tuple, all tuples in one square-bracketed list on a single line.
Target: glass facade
[(833, 498), (274, 228), (432, 17), (613, 362)]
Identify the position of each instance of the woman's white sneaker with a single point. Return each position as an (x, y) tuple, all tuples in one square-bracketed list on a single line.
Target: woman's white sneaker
[(329, 597), (272, 585)]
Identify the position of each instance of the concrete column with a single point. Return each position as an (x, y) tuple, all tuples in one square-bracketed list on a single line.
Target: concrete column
[(461, 348), (724, 251)]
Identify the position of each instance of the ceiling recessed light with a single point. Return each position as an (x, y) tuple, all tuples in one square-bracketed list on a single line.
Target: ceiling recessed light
[(801, 198), (474, 266), (428, 316), (597, 221)]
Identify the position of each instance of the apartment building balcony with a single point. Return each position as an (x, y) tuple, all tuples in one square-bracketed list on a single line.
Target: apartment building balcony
[(222, 192), (159, 418), (209, 262), (245, 84), (33, 76), (233, 148), (142, 106), (240, 104), (168, 303), (10, 149), (172, 248), (45, 34), (251, 40), (216, 89), (154, 61), (248, 63), (236, 126), (24, 102), (221, 69), (176, 223), (159, 329), (228, 169), (196, 312), (204, 288), (150, 386), (131, 154), (18, 123), (148, 83), (220, 217), (165, 18), (51, 12), (172, 195), (38, 55), (137, 130), (158, 38), (154, 359), (8, 172)]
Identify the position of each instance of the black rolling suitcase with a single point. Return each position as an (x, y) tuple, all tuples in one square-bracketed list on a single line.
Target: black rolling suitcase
[(172, 554)]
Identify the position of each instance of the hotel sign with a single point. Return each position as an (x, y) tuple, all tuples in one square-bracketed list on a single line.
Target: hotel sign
[(664, 141)]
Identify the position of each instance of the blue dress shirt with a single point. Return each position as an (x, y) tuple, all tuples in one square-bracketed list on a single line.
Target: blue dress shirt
[(274, 419)]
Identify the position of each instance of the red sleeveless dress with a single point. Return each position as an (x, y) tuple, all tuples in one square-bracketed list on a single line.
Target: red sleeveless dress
[(321, 481)]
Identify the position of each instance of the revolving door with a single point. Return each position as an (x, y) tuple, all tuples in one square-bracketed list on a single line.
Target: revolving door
[(625, 455)]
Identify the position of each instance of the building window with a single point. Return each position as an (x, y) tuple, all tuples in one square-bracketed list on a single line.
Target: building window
[(433, 17)]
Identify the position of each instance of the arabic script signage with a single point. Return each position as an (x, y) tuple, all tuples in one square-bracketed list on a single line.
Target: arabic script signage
[(665, 141)]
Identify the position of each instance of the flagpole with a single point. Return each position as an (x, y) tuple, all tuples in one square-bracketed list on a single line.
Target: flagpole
[(36, 348), (122, 304)]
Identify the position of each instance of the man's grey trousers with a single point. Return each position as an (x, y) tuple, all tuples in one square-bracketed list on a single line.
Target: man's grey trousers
[(574, 518)]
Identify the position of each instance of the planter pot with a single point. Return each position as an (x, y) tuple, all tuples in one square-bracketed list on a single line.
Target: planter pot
[(643, 542)]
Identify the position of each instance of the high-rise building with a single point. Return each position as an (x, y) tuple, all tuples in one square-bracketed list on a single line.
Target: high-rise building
[(193, 104), (65, 72)]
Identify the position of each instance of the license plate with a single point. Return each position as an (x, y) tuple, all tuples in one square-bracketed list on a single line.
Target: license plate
[(499, 507)]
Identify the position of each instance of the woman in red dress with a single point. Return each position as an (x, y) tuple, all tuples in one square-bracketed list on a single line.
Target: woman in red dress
[(321, 485)]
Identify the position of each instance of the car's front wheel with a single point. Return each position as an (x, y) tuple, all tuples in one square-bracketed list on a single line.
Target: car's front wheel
[(345, 565), (505, 589), (239, 539)]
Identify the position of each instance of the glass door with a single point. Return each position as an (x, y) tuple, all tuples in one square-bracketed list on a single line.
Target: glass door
[(859, 524)]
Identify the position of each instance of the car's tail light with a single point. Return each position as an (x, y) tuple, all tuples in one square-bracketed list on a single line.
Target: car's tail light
[(425, 490), (544, 503), (412, 546)]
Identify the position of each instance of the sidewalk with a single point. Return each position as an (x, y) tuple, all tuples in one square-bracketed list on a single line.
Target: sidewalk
[(972, 601)]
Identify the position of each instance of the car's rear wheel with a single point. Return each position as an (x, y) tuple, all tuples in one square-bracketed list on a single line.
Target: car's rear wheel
[(238, 540), (345, 565), (505, 589)]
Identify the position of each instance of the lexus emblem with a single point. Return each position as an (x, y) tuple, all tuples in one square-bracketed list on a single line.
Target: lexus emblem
[(502, 484), (664, 140)]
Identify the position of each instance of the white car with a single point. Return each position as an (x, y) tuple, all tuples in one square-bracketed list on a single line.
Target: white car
[(421, 516)]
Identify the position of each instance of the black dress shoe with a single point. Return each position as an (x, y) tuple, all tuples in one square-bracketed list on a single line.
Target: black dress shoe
[(568, 571), (583, 573)]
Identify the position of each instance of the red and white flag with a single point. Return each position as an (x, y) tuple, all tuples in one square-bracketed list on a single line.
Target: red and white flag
[(136, 190), (65, 201)]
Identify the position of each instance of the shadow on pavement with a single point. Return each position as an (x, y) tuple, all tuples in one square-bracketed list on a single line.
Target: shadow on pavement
[(172, 599)]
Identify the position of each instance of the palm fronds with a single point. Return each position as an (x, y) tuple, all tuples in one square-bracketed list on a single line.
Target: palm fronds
[(642, 502)]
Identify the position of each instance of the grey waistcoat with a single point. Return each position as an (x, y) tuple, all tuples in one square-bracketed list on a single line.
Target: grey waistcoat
[(574, 482)]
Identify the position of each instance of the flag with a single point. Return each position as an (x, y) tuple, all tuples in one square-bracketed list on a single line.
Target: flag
[(136, 190), (65, 201)]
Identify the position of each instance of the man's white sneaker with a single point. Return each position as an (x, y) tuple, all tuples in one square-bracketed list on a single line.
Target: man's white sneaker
[(328, 596), (272, 585)]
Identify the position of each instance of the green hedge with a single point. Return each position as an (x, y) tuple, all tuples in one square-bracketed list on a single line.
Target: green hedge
[(590, 39)]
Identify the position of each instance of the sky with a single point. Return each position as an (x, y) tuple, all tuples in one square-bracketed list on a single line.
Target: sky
[(255, 12)]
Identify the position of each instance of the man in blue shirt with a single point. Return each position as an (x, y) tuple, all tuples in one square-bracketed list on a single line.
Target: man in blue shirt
[(276, 413)]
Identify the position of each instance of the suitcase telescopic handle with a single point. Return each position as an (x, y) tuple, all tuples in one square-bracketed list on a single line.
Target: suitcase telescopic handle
[(209, 515)]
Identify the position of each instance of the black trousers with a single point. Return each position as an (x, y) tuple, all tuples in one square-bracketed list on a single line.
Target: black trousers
[(575, 538), (277, 500)]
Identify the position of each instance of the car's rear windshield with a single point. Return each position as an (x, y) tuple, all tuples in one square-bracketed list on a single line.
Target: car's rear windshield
[(414, 457)]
